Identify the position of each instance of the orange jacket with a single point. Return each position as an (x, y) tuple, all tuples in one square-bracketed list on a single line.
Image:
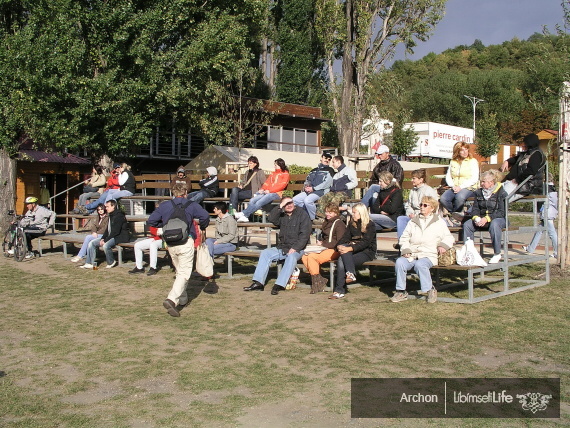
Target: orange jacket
[(276, 182)]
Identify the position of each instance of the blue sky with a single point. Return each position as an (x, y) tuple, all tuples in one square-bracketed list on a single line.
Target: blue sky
[(491, 21)]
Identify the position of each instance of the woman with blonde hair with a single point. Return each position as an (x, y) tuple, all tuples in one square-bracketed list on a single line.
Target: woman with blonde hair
[(358, 245), (424, 237), (389, 204), (332, 231), (462, 178)]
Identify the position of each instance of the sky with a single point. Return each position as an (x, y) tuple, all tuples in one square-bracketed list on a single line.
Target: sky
[(491, 21)]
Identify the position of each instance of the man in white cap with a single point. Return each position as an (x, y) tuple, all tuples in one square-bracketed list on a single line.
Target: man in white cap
[(209, 186), (386, 163)]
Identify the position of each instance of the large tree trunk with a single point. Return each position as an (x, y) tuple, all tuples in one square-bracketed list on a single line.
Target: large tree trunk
[(7, 187)]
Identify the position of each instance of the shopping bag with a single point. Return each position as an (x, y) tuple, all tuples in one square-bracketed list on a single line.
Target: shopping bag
[(293, 280), (468, 255), (204, 262)]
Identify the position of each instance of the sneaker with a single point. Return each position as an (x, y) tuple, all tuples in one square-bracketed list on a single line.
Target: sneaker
[(112, 265), (30, 255), (495, 259), (76, 259), (242, 219), (525, 248), (11, 251), (399, 296), (553, 256), (350, 278), (136, 270), (238, 214), (151, 271), (74, 211), (86, 266), (432, 295), (336, 296)]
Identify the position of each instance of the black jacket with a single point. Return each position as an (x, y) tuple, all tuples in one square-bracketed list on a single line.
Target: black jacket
[(117, 228), (393, 205), (360, 242), (294, 229), (392, 166), (494, 207), (526, 164)]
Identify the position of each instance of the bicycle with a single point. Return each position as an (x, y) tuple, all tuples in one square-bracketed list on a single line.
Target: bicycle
[(14, 244)]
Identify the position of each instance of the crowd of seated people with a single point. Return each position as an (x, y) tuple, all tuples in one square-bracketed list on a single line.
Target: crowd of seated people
[(348, 233)]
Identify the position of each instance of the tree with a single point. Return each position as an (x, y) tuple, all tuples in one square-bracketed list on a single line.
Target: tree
[(364, 34), (487, 139), (404, 140)]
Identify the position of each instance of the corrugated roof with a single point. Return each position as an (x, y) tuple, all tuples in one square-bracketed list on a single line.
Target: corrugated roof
[(41, 156)]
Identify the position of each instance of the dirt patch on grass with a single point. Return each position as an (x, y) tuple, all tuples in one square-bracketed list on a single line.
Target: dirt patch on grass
[(100, 346)]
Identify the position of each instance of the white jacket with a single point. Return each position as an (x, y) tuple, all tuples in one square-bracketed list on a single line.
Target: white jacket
[(422, 236)]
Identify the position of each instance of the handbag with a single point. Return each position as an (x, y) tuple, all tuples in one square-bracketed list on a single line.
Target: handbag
[(468, 255), (204, 262), (448, 258)]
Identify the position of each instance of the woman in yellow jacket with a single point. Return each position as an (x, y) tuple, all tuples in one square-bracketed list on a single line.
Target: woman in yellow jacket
[(462, 178)]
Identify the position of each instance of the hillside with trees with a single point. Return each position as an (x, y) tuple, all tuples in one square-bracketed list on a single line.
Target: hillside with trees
[(519, 80)]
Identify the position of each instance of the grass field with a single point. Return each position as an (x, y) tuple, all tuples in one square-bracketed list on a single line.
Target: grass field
[(96, 349)]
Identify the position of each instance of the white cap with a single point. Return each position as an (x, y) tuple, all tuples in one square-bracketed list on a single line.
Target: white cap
[(382, 149), (212, 171)]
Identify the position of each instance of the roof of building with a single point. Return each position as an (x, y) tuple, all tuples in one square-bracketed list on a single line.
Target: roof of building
[(26, 152)]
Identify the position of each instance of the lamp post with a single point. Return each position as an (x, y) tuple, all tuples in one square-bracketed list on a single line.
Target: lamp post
[(474, 101)]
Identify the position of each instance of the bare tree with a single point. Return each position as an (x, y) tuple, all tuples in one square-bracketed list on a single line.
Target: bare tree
[(363, 34)]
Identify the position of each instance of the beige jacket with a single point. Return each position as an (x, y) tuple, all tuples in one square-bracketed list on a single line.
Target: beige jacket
[(422, 236)]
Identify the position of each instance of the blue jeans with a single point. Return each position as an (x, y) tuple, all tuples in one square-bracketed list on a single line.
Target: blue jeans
[(257, 202), (382, 221), (348, 262), (495, 230), (368, 197), (216, 249), (401, 223), (107, 196), (307, 201), (238, 195), (551, 233), (420, 266), (197, 196), (83, 251), (454, 202), (274, 254), (107, 249)]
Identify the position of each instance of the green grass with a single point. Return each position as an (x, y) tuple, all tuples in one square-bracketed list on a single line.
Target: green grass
[(85, 349)]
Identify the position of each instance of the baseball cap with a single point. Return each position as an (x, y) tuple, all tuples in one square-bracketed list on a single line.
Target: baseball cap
[(116, 165), (180, 169), (327, 155), (382, 149)]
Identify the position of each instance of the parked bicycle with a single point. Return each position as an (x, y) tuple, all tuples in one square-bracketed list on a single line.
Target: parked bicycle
[(14, 244)]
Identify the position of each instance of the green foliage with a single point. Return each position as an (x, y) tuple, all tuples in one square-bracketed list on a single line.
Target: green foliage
[(403, 140), (101, 76), (296, 169), (487, 138)]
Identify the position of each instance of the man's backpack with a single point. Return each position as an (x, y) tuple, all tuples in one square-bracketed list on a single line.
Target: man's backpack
[(176, 229)]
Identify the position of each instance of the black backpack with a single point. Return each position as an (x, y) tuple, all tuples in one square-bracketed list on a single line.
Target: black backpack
[(176, 229)]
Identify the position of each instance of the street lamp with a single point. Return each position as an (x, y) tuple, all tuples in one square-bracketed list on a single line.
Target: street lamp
[(474, 101)]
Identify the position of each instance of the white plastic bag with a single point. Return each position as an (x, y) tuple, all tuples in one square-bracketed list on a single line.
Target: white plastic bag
[(204, 262), (468, 255), (293, 280)]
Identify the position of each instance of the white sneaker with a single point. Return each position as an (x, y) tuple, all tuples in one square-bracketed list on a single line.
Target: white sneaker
[(238, 214), (30, 255), (495, 259), (242, 219), (11, 251), (86, 266), (525, 248), (112, 265), (76, 259)]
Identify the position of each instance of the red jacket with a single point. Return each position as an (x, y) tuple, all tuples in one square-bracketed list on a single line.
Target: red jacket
[(276, 182), (113, 182)]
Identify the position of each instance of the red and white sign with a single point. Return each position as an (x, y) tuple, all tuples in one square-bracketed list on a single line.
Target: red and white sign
[(437, 140)]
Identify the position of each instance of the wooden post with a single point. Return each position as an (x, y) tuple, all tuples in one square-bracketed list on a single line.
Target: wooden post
[(564, 177)]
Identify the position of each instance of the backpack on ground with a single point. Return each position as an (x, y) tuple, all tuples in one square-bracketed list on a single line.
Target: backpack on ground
[(176, 229)]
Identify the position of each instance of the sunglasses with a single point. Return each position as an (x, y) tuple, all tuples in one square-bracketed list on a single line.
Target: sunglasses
[(425, 205)]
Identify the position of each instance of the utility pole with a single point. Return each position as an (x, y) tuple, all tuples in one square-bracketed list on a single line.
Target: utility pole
[(564, 176), (474, 101)]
